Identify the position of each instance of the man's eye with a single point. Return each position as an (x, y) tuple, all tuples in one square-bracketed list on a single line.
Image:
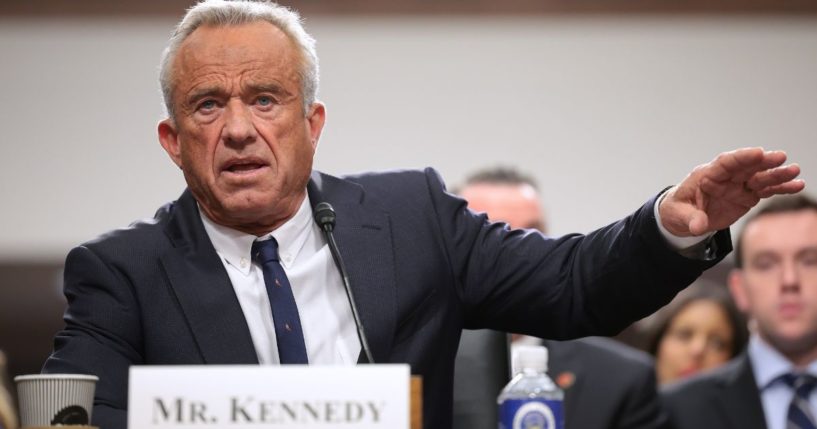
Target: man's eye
[(207, 105), (764, 263), (264, 101), (809, 258)]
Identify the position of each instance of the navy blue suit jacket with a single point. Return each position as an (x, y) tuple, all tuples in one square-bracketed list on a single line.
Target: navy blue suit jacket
[(422, 267)]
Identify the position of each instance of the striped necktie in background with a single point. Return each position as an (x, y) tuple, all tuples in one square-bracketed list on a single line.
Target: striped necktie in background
[(800, 415)]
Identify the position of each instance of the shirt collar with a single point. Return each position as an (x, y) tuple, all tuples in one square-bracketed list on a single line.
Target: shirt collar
[(234, 246), (768, 364), (292, 235)]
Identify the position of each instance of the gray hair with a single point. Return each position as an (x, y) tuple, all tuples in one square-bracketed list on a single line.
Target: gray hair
[(231, 13)]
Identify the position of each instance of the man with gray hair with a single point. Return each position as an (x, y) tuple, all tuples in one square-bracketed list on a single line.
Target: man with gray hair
[(236, 271)]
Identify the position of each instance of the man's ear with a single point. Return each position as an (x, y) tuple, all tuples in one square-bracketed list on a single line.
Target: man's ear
[(316, 118), (169, 139), (737, 286)]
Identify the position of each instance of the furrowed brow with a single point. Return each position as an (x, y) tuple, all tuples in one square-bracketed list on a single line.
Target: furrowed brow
[(271, 88), (198, 94)]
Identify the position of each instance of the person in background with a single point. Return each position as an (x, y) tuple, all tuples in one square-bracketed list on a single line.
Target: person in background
[(8, 417), (701, 329), (771, 386), (606, 384)]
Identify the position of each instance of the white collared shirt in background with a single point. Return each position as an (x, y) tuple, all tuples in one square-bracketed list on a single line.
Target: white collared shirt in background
[(775, 395), (329, 329)]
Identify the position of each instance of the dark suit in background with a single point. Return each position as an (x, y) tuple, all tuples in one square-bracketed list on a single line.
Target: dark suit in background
[(726, 398), (607, 385), (422, 267)]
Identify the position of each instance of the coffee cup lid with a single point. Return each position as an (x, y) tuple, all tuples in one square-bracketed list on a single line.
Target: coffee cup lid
[(56, 377)]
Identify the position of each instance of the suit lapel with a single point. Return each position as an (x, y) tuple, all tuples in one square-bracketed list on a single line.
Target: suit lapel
[(363, 235), (740, 398), (203, 289)]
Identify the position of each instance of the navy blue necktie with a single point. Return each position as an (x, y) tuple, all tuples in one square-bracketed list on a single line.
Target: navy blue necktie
[(800, 416), (288, 332)]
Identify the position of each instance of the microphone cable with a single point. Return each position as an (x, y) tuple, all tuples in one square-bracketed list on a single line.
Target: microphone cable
[(325, 218)]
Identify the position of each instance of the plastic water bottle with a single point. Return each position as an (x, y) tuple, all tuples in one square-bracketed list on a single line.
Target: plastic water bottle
[(531, 400)]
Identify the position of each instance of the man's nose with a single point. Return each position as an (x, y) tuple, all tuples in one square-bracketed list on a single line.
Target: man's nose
[(790, 276), (238, 125)]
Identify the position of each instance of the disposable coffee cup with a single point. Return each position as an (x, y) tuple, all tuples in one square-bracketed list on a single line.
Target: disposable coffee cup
[(55, 399)]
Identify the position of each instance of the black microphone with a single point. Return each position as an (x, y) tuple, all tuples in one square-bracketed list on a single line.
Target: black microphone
[(325, 218)]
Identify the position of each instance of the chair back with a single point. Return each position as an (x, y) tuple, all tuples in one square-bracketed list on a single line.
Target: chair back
[(482, 368)]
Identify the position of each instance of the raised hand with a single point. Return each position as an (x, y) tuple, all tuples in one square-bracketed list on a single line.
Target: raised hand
[(715, 195)]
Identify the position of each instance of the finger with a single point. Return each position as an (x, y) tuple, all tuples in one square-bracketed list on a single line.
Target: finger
[(773, 177), (771, 159), (791, 187), (722, 168), (699, 223), (734, 193), (715, 188), (740, 164), (676, 217)]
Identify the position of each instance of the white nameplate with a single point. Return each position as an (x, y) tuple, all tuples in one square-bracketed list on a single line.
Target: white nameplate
[(292, 396)]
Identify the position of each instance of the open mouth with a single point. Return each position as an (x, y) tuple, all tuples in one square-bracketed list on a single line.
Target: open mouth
[(245, 166)]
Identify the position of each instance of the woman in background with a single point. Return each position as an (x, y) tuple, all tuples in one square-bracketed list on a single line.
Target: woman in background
[(699, 330)]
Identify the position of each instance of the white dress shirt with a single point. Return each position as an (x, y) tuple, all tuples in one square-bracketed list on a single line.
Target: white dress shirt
[(329, 329), (775, 395)]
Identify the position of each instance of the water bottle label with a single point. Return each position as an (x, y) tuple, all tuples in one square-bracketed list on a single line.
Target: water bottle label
[(531, 414)]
